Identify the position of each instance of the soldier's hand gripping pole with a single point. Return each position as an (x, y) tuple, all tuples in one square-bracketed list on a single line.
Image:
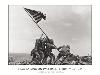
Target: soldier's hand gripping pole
[(53, 43)]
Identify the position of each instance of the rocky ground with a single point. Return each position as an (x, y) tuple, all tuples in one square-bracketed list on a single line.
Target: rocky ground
[(26, 59)]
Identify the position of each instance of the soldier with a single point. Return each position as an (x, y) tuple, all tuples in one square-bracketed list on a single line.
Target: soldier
[(64, 51), (36, 56), (37, 52), (49, 45)]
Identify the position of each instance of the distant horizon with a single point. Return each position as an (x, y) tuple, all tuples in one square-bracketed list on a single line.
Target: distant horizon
[(18, 53), (29, 53)]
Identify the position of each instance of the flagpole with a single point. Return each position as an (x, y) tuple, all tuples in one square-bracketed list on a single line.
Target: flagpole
[(42, 31), (38, 26)]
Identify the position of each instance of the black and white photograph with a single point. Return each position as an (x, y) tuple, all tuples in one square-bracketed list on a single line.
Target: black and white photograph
[(49, 35)]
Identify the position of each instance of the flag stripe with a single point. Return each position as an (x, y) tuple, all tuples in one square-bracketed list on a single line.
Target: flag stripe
[(36, 14), (37, 17), (38, 20)]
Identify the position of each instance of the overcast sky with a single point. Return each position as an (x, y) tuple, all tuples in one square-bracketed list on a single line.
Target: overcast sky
[(64, 24)]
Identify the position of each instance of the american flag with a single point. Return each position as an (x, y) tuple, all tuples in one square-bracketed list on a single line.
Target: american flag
[(36, 15)]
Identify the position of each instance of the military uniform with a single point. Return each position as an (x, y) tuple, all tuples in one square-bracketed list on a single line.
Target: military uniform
[(48, 49), (37, 52), (64, 51)]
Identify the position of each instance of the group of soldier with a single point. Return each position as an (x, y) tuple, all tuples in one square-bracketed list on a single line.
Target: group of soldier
[(43, 50)]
